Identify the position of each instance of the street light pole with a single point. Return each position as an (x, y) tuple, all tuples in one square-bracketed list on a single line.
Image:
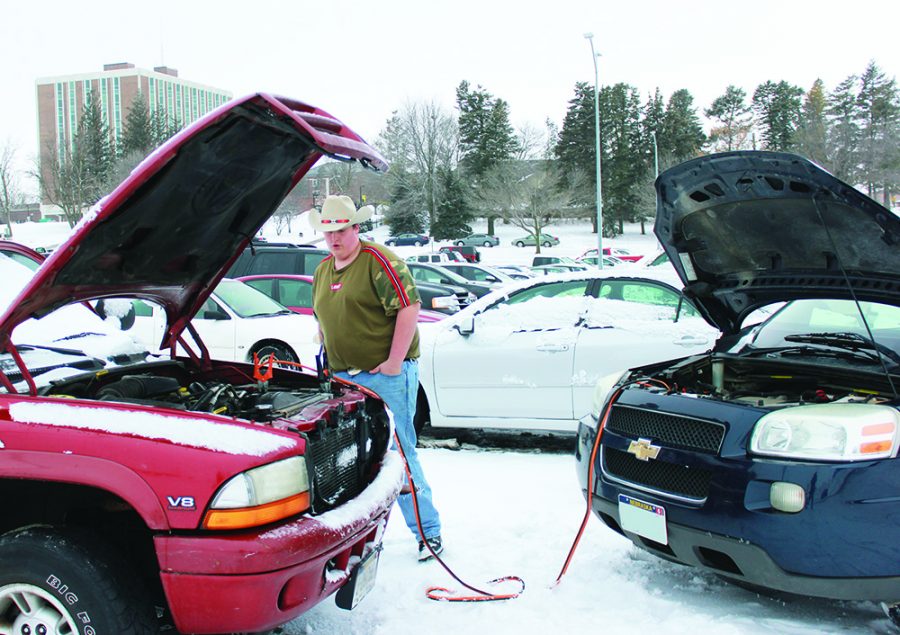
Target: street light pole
[(655, 155), (594, 56)]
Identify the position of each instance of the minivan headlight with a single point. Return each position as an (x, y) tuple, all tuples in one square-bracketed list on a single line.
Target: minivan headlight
[(828, 432), (602, 390)]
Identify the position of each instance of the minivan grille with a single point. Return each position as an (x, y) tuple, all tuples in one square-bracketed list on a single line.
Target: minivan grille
[(665, 429), (659, 476)]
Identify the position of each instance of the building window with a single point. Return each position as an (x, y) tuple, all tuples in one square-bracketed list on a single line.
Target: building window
[(104, 101), (73, 115), (60, 123), (117, 110)]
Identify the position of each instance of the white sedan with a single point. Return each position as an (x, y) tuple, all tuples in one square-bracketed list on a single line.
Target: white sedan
[(528, 356), (237, 321)]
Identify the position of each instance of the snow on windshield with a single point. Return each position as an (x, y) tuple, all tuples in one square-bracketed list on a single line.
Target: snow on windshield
[(73, 326), (192, 432)]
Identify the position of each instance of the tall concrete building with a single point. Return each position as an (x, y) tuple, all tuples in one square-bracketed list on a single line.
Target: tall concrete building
[(61, 102)]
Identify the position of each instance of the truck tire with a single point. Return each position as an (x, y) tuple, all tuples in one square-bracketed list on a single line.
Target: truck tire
[(57, 582)]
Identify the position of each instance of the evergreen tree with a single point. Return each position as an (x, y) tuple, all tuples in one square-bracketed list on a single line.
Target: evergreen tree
[(810, 139), (777, 108), (92, 141), (453, 211), (623, 160), (486, 136), (843, 130), (733, 117), (575, 148), (138, 134), (879, 110), (652, 123), (682, 134)]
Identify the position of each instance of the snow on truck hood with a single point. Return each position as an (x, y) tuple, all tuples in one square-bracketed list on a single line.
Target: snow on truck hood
[(747, 229), (171, 229), (187, 431)]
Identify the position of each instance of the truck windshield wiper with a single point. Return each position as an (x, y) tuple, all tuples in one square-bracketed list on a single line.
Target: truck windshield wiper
[(849, 341)]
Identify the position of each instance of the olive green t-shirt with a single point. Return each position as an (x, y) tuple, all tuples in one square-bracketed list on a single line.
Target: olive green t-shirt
[(357, 307)]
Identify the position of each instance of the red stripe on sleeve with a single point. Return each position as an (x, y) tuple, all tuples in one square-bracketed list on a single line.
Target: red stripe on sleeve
[(392, 275)]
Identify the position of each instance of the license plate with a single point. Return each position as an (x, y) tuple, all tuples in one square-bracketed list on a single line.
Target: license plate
[(361, 581), (643, 518)]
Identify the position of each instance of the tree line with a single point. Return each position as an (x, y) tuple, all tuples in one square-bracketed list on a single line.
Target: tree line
[(449, 167)]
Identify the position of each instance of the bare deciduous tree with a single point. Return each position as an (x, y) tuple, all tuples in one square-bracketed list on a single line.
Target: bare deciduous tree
[(530, 194), (421, 139), (9, 185), (65, 182)]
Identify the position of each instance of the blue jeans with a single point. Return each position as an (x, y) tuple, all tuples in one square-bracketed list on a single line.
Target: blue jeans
[(399, 394)]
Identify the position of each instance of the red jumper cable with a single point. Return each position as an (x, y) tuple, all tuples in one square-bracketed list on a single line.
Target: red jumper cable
[(604, 417), (441, 594)]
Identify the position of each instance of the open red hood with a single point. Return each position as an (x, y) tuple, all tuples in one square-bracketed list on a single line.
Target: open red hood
[(171, 229)]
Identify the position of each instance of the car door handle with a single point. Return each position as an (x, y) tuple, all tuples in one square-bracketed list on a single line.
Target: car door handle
[(689, 340), (553, 348)]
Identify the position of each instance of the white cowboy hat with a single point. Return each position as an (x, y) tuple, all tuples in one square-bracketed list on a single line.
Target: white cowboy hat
[(338, 212)]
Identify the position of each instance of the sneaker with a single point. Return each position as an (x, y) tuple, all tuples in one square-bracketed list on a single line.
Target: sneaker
[(436, 547)]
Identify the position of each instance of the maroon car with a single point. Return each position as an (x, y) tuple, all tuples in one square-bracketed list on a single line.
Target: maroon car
[(295, 292), (230, 495)]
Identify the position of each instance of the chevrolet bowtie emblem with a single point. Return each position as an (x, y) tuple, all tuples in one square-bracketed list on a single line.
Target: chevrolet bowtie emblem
[(643, 449)]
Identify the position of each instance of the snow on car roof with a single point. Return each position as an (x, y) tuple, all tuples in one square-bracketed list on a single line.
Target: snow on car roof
[(551, 313), (187, 431)]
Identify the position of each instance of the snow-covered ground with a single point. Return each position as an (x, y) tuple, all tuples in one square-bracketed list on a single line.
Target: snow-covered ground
[(516, 513)]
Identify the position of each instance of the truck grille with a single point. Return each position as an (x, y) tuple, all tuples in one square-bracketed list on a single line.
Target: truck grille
[(341, 455), (658, 476), (665, 429)]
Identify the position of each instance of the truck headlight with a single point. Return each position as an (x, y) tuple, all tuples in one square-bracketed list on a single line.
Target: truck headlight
[(259, 496), (828, 432)]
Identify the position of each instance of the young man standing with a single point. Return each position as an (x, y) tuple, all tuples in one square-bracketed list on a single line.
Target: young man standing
[(367, 306)]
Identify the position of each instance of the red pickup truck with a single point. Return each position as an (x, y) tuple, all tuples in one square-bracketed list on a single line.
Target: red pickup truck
[(214, 496)]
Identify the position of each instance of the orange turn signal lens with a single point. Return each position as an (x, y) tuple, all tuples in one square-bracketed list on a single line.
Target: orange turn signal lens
[(875, 447), (256, 516)]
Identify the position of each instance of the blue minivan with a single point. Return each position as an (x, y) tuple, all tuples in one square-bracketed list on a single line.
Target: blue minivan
[(770, 460)]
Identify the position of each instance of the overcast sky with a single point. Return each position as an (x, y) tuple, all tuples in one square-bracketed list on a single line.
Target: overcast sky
[(361, 60)]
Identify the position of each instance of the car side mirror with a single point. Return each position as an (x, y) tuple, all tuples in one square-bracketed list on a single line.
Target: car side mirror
[(466, 326), (214, 314), (123, 310)]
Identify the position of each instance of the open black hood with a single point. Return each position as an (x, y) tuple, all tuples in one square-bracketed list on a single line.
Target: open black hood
[(171, 229), (746, 229)]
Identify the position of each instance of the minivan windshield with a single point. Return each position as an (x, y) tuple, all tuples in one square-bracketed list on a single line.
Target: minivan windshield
[(834, 323)]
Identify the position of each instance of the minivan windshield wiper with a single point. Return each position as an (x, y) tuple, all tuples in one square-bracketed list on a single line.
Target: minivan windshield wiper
[(846, 340), (810, 351)]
